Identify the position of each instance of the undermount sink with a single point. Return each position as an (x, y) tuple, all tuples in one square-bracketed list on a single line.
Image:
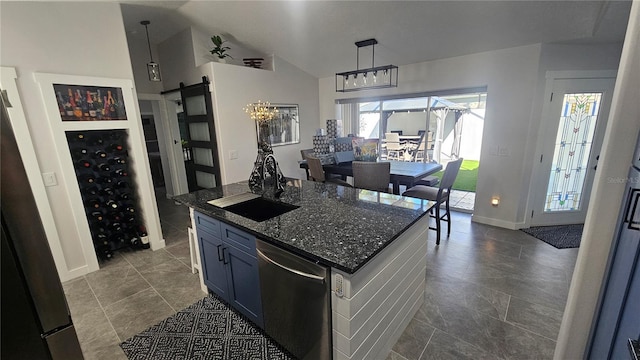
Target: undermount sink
[(257, 208)]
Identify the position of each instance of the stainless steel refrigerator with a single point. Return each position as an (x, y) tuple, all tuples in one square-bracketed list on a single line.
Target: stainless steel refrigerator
[(618, 318), (36, 323)]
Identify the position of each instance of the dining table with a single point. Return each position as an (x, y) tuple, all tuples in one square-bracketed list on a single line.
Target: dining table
[(401, 172)]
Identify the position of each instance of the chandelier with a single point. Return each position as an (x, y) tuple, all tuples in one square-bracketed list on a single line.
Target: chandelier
[(261, 112), (153, 69), (370, 78)]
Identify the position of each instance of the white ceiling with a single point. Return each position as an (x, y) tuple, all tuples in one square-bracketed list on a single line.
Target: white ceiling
[(319, 36)]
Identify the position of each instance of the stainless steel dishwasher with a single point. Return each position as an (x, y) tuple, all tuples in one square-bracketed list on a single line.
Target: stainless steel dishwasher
[(296, 302)]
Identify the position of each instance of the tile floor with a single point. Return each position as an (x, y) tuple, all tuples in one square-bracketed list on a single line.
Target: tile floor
[(462, 201), (135, 289), (492, 293)]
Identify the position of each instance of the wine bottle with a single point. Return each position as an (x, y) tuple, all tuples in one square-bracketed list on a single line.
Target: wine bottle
[(115, 226), (100, 153), (85, 107), (120, 172), (72, 103), (128, 208), (87, 179), (112, 204), (90, 106), (99, 106), (91, 190), (107, 192), (104, 167), (93, 203), (97, 215), (104, 180), (79, 152), (84, 163), (68, 108), (96, 140), (61, 102), (122, 184), (105, 112), (120, 160), (77, 108), (112, 104), (144, 238), (116, 147), (124, 196)]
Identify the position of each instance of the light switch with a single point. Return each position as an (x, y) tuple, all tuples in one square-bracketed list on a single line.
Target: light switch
[(233, 154), (49, 179)]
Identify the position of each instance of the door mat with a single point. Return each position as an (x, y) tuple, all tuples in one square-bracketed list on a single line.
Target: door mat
[(208, 329), (559, 236)]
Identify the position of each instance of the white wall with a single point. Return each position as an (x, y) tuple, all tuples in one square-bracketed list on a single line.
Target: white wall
[(237, 86), (61, 38), (515, 86), (622, 130), (233, 88), (511, 77)]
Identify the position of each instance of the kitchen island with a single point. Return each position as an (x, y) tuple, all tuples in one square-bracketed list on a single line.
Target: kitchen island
[(374, 243)]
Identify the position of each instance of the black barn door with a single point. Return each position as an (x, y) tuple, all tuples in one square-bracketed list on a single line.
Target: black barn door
[(202, 162)]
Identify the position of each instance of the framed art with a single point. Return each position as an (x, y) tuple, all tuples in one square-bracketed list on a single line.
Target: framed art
[(284, 129), (89, 103)]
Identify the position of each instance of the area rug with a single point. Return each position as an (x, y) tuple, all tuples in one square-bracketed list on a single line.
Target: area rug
[(560, 236), (208, 329)]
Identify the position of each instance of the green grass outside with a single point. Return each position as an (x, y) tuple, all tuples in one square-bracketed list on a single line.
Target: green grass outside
[(467, 176)]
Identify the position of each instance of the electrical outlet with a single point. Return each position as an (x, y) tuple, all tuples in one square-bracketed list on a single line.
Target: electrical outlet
[(339, 285), (233, 154), (503, 151)]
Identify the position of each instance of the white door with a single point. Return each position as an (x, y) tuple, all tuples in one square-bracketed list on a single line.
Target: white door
[(572, 130)]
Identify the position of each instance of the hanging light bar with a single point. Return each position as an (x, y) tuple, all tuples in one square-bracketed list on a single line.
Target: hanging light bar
[(370, 78), (153, 69)]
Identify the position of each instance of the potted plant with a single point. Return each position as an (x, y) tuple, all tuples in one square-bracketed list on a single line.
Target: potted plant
[(220, 51)]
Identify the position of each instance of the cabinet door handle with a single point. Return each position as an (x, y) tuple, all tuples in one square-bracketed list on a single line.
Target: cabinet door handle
[(223, 257), (220, 258)]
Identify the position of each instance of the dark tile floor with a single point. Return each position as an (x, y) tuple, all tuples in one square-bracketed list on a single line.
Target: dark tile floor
[(135, 289), (491, 293)]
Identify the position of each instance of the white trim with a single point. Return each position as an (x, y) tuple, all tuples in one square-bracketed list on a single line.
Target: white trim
[(27, 152), (551, 77), (497, 222), (138, 153), (168, 147)]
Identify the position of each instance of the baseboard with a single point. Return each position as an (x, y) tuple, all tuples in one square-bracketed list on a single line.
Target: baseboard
[(497, 222), (74, 274)]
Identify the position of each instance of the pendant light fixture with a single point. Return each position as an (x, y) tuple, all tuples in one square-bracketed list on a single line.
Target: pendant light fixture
[(370, 78), (153, 69)]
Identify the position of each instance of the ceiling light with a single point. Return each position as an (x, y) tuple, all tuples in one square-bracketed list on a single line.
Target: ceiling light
[(152, 67), (370, 78)]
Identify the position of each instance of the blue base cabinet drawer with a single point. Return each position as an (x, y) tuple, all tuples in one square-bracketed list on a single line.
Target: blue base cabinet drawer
[(229, 265), (239, 239), (207, 224)]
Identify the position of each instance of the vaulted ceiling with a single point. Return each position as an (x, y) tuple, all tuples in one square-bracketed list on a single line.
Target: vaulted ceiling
[(319, 36)]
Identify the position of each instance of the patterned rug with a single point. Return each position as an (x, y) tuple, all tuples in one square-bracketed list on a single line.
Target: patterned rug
[(561, 236), (208, 329)]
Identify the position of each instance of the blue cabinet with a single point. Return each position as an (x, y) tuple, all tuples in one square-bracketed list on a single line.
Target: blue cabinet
[(229, 265)]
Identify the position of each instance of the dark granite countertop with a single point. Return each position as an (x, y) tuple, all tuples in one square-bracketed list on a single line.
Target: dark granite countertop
[(337, 226)]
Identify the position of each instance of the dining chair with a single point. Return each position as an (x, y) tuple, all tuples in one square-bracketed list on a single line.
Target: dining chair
[(305, 153), (393, 146), (439, 195), (419, 154), (316, 173), (374, 176)]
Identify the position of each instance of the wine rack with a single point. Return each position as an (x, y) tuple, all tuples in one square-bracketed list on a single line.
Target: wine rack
[(101, 163)]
